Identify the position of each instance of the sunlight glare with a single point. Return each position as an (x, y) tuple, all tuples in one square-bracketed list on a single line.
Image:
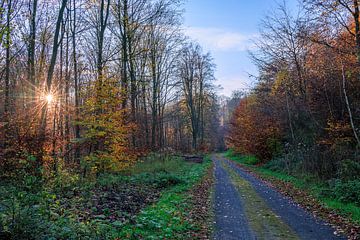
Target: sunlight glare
[(49, 98)]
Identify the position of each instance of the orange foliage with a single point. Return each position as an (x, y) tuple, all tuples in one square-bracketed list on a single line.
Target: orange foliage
[(252, 131)]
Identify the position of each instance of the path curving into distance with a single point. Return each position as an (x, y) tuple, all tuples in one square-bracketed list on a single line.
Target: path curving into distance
[(246, 208)]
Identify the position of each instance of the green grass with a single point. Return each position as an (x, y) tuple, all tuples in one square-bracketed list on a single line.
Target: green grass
[(166, 219), (311, 185), (243, 159), (346, 209), (155, 163), (51, 210)]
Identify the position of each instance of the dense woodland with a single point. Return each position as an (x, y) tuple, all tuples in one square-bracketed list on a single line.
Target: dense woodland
[(90, 93), (102, 102), (100, 83), (304, 112)]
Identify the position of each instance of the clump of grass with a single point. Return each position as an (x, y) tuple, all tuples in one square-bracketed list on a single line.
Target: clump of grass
[(155, 163), (243, 159)]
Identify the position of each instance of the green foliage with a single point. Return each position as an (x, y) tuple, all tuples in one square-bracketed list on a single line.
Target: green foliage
[(159, 180), (243, 159), (96, 163), (165, 220), (347, 192), (62, 207), (155, 163), (275, 146), (349, 170), (348, 209)]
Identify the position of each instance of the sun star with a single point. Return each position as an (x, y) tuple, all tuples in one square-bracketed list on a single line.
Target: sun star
[(49, 98)]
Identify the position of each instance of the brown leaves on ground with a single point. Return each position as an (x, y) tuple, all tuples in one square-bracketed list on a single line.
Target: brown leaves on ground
[(200, 213), (116, 203), (305, 200)]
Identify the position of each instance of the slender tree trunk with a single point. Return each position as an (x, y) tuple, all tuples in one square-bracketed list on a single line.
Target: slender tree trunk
[(31, 50), (6, 119), (145, 116), (348, 105), (76, 83), (125, 57), (50, 77), (154, 100), (289, 116), (133, 88), (67, 93), (55, 46)]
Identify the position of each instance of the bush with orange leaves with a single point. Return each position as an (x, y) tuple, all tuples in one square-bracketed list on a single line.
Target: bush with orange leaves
[(254, 130)]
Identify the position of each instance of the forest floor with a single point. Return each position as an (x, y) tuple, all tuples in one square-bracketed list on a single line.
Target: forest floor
[(248, 208), (158, 198)]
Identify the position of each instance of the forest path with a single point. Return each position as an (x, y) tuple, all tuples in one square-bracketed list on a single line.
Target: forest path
[(246, 208)]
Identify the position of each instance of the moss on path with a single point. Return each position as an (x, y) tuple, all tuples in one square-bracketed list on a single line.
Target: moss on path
[(262, 220)]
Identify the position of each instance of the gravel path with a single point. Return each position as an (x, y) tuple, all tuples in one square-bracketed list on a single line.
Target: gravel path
[(230, 216), (230, 220)]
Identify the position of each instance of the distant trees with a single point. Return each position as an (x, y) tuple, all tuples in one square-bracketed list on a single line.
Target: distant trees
[(100, 79), (196, 72)]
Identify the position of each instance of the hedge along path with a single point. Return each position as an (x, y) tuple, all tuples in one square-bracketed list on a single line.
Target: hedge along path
[(262, 220)]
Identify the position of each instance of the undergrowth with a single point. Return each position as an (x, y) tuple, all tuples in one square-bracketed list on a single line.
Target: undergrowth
[(147, 200)]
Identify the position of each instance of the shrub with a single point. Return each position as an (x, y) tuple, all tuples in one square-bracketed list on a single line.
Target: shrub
[(277, 164), (349, 170), (348, 192)]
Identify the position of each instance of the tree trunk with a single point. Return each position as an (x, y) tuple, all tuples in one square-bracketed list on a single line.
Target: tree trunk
[(31, 50), (76, 84), (49, 78), (348, 105)]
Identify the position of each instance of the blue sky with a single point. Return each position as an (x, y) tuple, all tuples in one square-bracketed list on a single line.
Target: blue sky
[(226, 28)]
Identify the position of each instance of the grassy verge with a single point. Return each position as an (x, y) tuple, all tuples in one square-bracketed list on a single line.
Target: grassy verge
[(147, 201)]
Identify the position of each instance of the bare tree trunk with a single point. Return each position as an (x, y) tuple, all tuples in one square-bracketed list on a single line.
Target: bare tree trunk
[(348, 105), (7, 60), (289, 116), (67, 93), (55, 46), (6, 118), (125, 58), (145, 116), (31, 50), (76, 83), (154, 100), (101, 35), (50, 77)]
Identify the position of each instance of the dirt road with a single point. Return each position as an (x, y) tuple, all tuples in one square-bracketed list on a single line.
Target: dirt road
[(246, 208)]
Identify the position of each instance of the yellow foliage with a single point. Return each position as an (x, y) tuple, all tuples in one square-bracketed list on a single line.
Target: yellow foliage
[(106, 128)]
